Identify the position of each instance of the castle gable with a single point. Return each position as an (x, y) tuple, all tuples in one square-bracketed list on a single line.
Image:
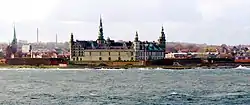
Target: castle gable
[(150, 46)]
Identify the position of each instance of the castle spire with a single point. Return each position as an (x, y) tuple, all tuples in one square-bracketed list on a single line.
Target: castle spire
[(162, 39), (71, 48), (162, 33), (136, 37), (100, 22), (100, 38), (71, 38)]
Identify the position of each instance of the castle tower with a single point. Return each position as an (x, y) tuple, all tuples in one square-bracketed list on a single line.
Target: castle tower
[(71, 45), (71, 39), (100, 39), (136, 42), (162, 39)]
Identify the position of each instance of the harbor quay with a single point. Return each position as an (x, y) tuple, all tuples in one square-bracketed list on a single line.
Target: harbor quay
[(164, 63)]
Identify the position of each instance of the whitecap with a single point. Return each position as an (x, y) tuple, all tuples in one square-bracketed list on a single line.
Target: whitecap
[(92, 94), (242, 68), (173, 93), (226, 94)]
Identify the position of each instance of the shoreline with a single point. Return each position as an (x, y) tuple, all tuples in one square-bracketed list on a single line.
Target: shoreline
[(112, 67)]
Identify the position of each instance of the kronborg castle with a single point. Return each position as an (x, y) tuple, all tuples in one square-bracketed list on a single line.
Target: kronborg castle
[(110, 50)]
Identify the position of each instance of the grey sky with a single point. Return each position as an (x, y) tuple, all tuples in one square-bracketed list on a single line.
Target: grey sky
[(198, 21)]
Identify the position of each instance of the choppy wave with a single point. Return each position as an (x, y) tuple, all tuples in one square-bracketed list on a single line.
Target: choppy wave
[(242, 68), (124, 86), (226, 94)]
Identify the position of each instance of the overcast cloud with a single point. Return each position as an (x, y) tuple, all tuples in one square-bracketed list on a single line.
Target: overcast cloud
[(198, 21)]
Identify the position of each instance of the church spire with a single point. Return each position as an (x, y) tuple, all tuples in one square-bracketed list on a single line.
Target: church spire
[(100, 36), (14, 41)]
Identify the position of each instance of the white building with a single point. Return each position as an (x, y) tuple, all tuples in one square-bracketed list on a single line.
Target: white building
[(26, 48)]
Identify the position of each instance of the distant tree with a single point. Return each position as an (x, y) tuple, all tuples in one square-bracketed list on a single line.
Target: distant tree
[(171, 49), (1, 54), (178, 47), (224, 46), (246, 49), (190, 46), (19, 54)]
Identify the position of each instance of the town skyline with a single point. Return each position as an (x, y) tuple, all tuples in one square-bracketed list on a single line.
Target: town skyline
[(210, 22)]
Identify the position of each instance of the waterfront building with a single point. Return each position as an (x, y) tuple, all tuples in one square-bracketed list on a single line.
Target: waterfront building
[(110, 50), (26, 48)]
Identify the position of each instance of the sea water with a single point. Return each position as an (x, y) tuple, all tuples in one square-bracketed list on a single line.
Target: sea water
[(124, 87)]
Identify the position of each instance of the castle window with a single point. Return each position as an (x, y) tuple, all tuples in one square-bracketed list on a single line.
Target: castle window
[(77, 58), (119, 58), (74, 53), (132, 53), (109, 53), (132, 59), (109, 58), (100, 58), (80, 59), (100, 53), (82, 53)]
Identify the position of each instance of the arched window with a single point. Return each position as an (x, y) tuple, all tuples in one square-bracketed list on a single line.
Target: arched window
[(132, 58), (119, 58), (100, 58)]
